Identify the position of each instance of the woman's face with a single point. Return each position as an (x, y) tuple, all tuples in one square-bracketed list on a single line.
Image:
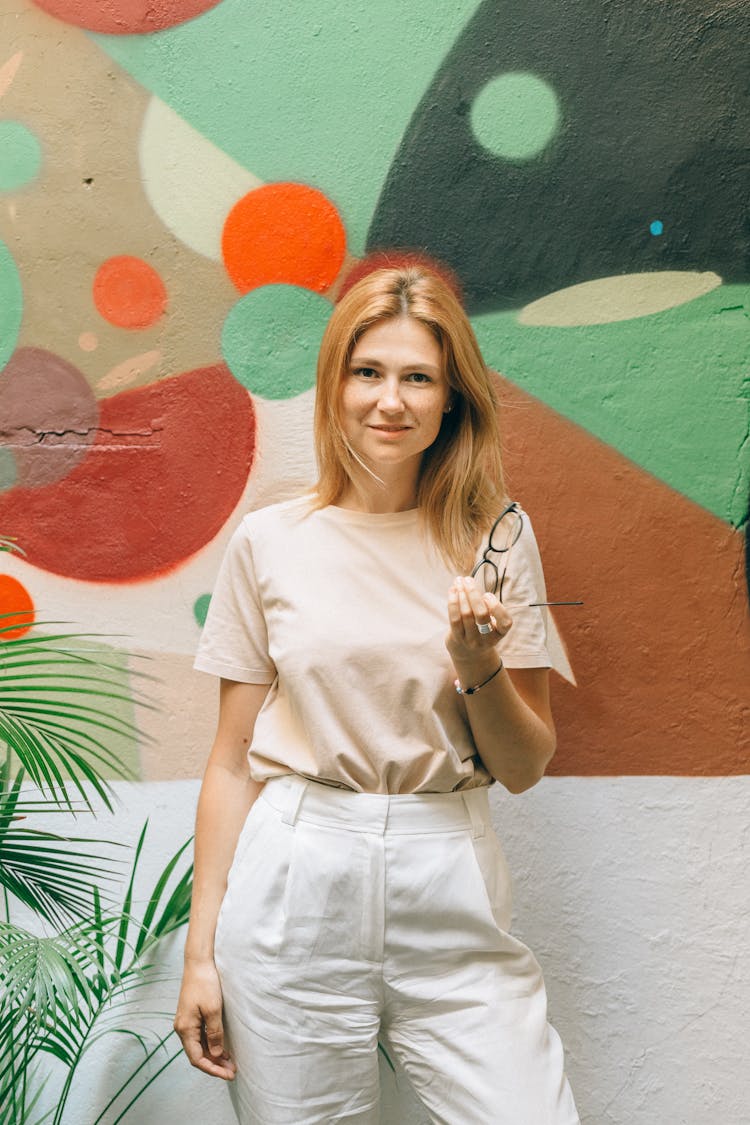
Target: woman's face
[(394, 394)]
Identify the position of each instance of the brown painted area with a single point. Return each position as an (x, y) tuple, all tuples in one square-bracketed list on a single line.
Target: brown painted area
[(88, 205), (661, 648), (48, 416)]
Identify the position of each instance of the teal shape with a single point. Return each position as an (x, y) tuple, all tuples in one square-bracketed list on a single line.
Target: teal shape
[(11, 304), (20, 156), (271, 338), (200, 608), (317, 93), (667, 390)]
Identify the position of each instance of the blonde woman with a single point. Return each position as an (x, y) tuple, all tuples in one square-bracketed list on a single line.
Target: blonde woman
[(349, 886)]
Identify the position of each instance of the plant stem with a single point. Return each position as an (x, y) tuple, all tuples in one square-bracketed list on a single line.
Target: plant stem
[(143, 1089)]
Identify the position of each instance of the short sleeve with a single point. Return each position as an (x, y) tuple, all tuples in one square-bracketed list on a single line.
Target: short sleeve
[(234, 641), (525, 645)]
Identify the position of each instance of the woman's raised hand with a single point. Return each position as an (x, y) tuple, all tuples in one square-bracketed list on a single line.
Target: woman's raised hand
[(478, 621), (198, 1020)]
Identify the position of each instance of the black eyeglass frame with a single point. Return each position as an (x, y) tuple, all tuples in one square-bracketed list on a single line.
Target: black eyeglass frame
[(485, 560)]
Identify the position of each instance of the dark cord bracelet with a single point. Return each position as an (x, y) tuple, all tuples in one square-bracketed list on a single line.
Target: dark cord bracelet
[(475, 689)]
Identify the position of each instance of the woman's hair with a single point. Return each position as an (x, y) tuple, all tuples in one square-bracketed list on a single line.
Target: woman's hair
[(460, 488)]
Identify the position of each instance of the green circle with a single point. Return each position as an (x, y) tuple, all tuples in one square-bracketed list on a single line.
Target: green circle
[(20, 156), (271, 338), (516, 115), (11, 304), (200, 608)]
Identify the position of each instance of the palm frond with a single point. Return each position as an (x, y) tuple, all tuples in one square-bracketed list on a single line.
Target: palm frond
[(40, 975), (61, 706), (51, 875), (47, 872), (10, 543), (113, 987)]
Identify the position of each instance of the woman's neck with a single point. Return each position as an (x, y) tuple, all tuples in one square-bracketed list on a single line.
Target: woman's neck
[(398, 494)]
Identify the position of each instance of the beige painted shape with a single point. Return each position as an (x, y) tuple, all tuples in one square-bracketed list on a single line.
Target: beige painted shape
[(129, 371), (88, 114), (192, 185), (8, 71), (181, 729), (624, 297)]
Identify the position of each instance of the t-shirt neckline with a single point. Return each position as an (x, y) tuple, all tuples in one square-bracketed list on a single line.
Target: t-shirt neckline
[(380, 519)]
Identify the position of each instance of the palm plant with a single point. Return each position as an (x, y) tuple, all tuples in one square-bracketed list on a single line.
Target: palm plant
[(61, 990)]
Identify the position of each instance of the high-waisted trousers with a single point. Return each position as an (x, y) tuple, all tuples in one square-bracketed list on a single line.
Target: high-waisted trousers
[(353, 918)]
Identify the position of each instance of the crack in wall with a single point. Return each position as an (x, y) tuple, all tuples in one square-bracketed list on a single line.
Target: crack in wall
[(28, 437)]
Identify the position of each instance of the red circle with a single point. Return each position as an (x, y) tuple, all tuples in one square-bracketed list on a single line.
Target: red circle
[(284, 234), (16, 601), (129, 293), (165, 472), (123, 17)]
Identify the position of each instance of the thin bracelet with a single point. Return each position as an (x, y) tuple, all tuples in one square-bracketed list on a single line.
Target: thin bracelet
[(475, 689)]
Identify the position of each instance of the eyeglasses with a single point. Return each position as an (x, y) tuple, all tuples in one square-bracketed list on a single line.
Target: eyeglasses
[(504, 534)]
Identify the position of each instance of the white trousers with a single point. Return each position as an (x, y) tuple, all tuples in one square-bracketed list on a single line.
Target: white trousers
[(353, 917)]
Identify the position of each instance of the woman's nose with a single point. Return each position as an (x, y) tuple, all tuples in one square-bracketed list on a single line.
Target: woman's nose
[(390, 396)]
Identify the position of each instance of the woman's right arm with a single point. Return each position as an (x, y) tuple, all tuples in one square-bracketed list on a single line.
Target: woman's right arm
[(226, 796)]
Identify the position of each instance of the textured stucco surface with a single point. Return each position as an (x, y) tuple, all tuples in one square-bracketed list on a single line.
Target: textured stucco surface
[(583, 167), (632, 894)]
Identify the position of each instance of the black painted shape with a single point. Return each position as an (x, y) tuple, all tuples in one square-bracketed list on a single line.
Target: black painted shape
[(655, 125)]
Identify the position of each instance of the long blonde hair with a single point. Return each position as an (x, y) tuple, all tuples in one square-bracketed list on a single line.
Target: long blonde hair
[(460, 487)]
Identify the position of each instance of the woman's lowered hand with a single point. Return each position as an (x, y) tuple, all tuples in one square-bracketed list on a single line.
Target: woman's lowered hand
[(198, 1021)]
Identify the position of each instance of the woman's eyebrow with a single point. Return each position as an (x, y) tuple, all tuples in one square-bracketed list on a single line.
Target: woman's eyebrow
[(417, 365)]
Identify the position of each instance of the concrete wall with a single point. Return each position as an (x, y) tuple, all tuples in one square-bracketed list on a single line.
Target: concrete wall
[(184, 188)]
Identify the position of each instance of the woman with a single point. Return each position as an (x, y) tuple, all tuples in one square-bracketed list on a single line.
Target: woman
[(349, 886)]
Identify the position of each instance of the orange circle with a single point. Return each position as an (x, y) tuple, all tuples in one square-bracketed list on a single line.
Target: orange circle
[(15, 600), (129, 293), (283, 233)]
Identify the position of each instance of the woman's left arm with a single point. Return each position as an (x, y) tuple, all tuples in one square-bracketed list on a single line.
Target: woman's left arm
[(510, 716)]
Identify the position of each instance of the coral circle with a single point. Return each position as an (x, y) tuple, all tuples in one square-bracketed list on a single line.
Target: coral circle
[(125, 17), (129, 293)]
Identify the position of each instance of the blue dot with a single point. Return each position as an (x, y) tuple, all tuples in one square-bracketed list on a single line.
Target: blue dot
[(657, 227)]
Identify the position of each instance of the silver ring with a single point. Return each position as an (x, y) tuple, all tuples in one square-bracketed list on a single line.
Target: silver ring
[(484, 627)]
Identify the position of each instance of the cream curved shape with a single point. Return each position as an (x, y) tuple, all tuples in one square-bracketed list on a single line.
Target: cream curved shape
[(190, 183), (624, 297)]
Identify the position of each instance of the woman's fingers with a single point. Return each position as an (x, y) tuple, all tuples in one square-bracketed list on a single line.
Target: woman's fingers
[(198, 1023), (214, 1034), (477, 618), (195, 1043), (214, 1059)]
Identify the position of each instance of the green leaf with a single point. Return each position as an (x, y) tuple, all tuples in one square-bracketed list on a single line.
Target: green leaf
[(51, 874)]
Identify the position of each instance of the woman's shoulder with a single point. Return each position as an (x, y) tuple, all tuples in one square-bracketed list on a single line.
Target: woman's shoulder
[(280, 514)]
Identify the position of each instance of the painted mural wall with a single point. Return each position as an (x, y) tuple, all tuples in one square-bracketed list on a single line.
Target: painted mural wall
[(187, 185)]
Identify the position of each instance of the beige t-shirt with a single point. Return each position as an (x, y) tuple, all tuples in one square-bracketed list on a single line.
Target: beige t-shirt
[(345, 615)]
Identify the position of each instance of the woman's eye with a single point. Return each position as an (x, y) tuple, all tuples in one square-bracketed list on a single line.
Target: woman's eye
[(365, 372), (419, 377)]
